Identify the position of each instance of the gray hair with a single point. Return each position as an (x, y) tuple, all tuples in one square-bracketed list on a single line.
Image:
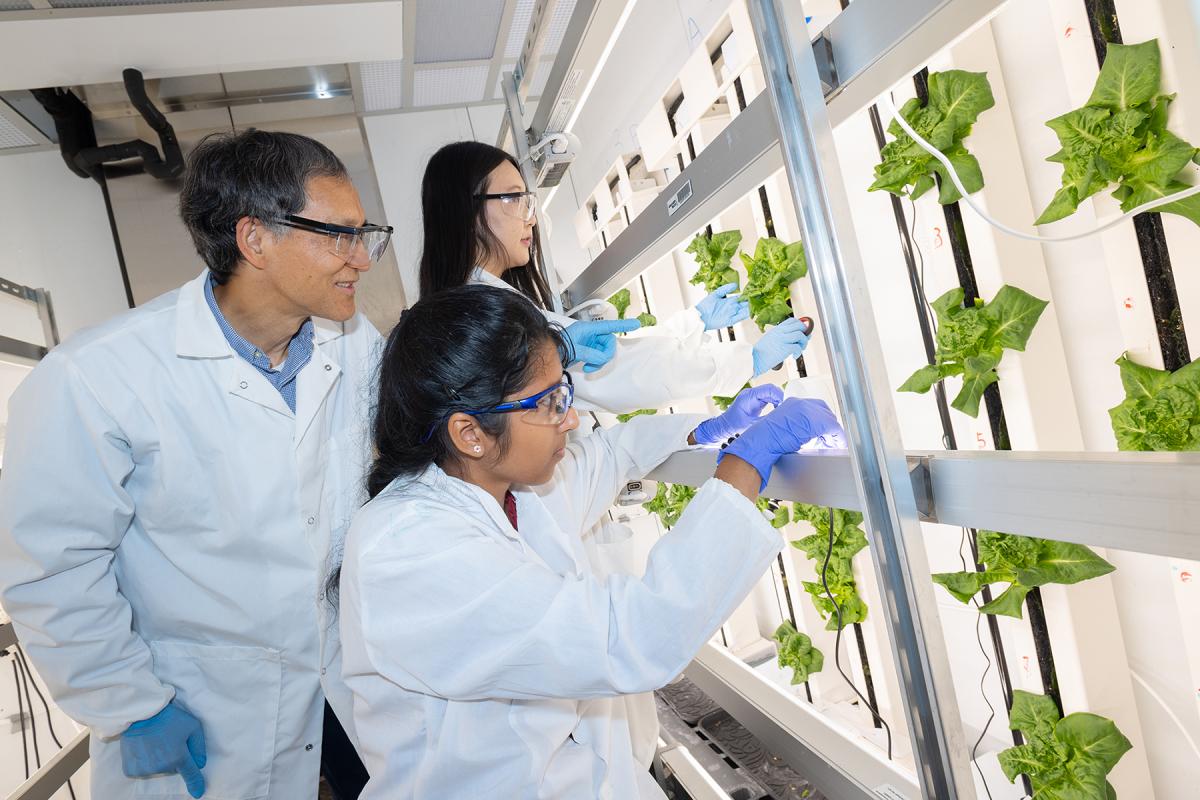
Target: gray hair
[(260, 174)]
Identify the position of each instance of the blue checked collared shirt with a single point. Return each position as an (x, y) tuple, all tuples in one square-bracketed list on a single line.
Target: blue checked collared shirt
[(299, 351)]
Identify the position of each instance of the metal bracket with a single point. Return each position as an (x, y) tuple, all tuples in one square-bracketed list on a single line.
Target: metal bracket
[(922, 484)]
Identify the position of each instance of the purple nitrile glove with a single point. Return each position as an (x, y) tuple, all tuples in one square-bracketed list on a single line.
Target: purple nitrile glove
[(743, 412), (170, 741), (595, 343), (787, 429), (719, 310)]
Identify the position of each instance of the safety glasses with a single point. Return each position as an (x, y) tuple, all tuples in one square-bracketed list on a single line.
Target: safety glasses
[(522, 205), (547, 407), (373, 238)]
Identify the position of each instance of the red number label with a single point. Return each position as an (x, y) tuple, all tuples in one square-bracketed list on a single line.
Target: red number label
[(982, 442), (937, 237)]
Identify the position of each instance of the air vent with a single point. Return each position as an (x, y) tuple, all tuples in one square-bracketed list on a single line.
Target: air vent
[(15, 6), (517, 29), (382, 85), (11, 136), (456, 30), (112, 3)]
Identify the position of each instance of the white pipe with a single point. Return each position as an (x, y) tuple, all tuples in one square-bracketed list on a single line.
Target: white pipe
[(886, 101)]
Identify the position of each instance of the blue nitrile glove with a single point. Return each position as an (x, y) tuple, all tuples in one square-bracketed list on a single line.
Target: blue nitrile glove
[(170, 741), (718, 310), (595, 343), (789, 427), (743, 412), (786, 340)]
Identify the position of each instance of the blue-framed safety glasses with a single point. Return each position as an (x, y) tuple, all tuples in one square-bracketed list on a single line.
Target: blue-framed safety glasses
[(547, 407)]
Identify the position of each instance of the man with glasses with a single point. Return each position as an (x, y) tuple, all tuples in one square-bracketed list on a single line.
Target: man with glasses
[(176, 479)]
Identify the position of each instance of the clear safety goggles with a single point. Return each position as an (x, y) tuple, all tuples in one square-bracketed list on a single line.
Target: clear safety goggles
[(373, 238), (522, 205), (547, 407)]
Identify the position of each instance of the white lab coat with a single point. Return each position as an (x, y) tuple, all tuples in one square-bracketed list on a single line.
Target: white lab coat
[(165, 523), (671, 362), (491, 662)]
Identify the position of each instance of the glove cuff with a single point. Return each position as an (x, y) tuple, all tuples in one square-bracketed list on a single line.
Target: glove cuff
[(763, 470)]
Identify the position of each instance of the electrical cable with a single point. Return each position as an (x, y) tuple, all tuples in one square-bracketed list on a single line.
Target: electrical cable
[(21, 717), (837, 641), (982, 678), (46, 706), (37, 753), (886, 101)]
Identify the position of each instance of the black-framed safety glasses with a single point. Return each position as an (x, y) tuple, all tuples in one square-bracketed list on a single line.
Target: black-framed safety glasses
[(547, 407), (373, 238), (522, 205)]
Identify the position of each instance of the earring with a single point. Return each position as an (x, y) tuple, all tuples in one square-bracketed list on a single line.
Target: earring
[(477, 449)]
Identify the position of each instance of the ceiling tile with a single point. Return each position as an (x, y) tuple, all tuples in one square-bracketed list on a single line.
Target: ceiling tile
[(12, 136), (436, 87), (382, 85), (518, 28), (456, 30)]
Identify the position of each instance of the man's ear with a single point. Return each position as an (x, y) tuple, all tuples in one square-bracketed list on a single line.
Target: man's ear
[(467, 437), (252, 240)]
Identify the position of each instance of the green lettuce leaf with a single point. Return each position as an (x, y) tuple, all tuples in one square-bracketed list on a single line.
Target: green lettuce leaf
[(638, 413), (1066, 758), (724, 403), (1161, 410), (971, 341), (1120, 137), (713, 257), (1023, 562), (770, 271), (621, 301), (647, 319), (848, 540), (669, 502), (796, 651), (956, 99)]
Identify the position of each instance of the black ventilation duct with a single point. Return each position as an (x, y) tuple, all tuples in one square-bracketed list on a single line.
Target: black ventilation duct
[(77, 135)]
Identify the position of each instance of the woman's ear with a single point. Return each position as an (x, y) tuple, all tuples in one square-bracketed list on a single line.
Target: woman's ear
[(468, 438)]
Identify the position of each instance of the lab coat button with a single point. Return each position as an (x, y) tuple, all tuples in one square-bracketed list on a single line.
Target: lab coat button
[(312, 520), (322, 670), (328, 367), (308, 747), (243, 384)]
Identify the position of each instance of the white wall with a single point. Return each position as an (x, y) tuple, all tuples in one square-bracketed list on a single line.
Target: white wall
[(400, 145)]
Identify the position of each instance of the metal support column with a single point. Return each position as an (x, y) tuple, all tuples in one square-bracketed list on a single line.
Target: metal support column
[(876, 453), (516, 121)]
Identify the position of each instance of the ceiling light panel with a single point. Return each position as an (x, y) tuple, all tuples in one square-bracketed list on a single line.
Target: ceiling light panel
[(382, 85), (518, 28), (12, 136), (558, 25), (438, 87), (456, 30)]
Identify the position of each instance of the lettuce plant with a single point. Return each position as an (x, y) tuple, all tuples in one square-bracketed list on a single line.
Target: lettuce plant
[(669, 502), (1120, 136), (971, 341), (647, 319), (1161, 410), (796, 651), (638, 413), (723, 403), (770, 271), (956, 99), (620, 301), (848, 539), (713, 256), (1066, 758), (775, 512), (1023, 562)]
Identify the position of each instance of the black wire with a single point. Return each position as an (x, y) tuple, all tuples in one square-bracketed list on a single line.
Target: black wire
[(982, 678), (37, 754), (21, 718), (933, 322), (837, 641), (46, 706)]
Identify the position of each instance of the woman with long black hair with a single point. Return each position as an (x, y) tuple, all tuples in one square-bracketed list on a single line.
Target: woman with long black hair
[(486, 655), (480, 224)]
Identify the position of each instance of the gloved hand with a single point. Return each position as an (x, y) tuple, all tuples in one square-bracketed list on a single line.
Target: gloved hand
[(718, 310), (170, 741), (595, 343), (794, 423), (786, 340), (743, 412)]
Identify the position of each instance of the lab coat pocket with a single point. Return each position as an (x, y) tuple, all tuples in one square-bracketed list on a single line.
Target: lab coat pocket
[(234, 691)]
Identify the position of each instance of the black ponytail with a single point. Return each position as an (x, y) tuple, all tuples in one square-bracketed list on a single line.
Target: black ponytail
[(464, 348)]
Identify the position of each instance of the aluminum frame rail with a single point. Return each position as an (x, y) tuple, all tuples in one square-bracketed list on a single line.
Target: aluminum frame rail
[(28, 351), (867, 48), (1139, 502), (54, 774)]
